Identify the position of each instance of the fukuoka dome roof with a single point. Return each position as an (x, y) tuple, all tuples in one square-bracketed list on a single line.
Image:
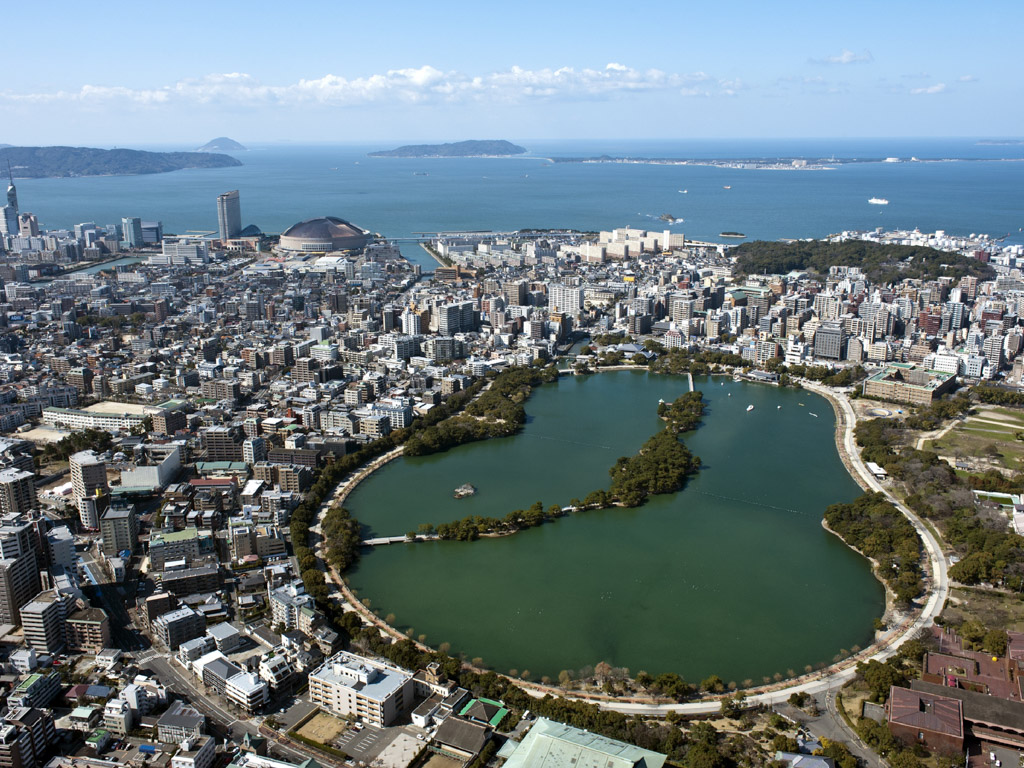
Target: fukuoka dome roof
[(340, 234)]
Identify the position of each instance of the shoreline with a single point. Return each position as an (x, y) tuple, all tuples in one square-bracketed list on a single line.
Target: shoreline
[(885, 644)]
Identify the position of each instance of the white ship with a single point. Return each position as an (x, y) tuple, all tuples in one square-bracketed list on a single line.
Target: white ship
[(878, 201), (750, 408)]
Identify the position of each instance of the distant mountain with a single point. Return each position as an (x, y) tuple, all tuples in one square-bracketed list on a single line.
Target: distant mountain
[(41, 162), (498, 148), (222, 144)]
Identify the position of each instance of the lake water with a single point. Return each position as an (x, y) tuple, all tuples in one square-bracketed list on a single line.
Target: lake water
[(732, 576)]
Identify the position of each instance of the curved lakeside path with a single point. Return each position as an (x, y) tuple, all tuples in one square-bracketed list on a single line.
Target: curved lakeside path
[(885, 646)]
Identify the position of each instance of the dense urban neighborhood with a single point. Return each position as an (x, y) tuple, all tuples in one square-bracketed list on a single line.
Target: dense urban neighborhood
[(182, 418)]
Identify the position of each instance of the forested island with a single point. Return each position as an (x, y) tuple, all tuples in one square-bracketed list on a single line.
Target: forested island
[(882, 263), (222, 144), (48, 162), (473, 148)]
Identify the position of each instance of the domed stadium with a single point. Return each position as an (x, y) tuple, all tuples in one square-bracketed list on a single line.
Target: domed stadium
[(323, 235)]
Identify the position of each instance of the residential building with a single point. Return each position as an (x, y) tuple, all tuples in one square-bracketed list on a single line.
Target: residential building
[(88, 630), (17, 492), (195, 752), (43, 621), (177, 626), (19, 582), (119, 530), (27, 736), (88, 474), (36, 690), (347, 684), (180, 722), (286, 602)]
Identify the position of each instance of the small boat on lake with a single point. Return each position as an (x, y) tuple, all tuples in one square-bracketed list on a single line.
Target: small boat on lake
[(750, 408)]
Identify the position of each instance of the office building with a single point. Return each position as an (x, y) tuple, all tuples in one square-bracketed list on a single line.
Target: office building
[(229, 215), (373, 691), (131, 233)]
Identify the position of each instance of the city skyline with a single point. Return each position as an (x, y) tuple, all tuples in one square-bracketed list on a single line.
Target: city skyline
[(451, 71)]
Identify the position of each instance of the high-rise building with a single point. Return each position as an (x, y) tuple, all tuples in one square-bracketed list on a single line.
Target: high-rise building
[(42, 621), (566, 299), (8, 220), (12, 192), (28, 225), (229, 215), (27, 736), (132, 232), (19, 582), (119, 530), (88, 474), (17, 491)]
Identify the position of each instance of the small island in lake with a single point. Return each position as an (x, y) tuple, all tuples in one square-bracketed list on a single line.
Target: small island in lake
[(222, 144), (464, 490), (475, 148), (731, 234), (46, 162)]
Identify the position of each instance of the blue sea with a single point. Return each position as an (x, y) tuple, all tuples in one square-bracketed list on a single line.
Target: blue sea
[(280, 184)]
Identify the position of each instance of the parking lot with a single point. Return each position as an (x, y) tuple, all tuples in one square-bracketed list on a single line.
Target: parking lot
[(366, 744)]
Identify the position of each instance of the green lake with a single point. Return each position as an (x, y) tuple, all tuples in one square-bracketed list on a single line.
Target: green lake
[(733, 575)]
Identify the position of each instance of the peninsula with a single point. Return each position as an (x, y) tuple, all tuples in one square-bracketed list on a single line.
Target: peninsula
[(474, 148), (45, 162)]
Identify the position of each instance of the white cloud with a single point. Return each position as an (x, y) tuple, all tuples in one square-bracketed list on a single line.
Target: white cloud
[(968, 79), (846, 57), (937, 88), (399, 86)]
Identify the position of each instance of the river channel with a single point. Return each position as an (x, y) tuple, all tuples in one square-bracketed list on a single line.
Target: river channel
[(734, 575)]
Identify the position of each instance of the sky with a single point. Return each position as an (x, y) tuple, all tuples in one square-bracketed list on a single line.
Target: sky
[(141, 74)]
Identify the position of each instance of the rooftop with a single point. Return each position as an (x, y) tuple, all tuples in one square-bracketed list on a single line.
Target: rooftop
[(555, 745)]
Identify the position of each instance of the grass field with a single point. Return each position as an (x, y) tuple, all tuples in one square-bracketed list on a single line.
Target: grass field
[(988, 435), (323, 728)]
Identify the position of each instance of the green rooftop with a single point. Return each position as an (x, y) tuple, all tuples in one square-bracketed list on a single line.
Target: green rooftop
[(555, 745), (173, 537), (485, 710)]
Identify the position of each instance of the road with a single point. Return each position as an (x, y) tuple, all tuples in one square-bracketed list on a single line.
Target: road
[(222, 720)]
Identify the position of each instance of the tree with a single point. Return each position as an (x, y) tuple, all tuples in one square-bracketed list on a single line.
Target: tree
[(880, 677), (712, 684)]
